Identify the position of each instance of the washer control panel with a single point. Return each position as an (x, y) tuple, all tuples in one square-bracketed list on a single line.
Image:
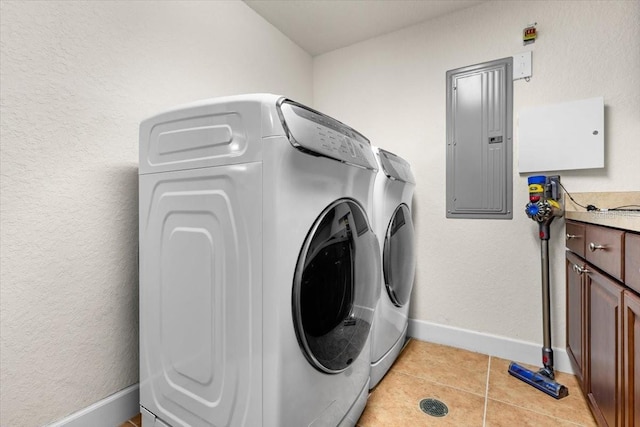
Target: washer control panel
[(321, 134)]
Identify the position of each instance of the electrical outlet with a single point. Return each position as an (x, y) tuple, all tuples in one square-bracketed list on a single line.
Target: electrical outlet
[(522, 65)]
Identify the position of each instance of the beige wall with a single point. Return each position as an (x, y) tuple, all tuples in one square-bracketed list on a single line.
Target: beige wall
[(77, 78), (484, 275)]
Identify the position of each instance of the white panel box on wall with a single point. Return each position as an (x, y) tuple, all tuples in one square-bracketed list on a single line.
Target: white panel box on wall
[(563, 136)]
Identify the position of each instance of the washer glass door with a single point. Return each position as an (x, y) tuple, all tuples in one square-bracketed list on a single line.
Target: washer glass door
[(334, 289), (398, 259)]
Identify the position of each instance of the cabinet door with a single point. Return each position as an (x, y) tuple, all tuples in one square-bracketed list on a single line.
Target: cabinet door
[(631, 364), (575, 237), (632, 261), (575, 314), (604, 249), (604, 354)]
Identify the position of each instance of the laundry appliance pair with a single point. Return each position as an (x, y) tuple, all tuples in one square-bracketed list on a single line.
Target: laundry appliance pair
[(260, 271)]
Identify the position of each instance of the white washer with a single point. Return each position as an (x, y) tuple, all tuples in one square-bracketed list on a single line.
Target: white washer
[(393, 192), (258, 266)]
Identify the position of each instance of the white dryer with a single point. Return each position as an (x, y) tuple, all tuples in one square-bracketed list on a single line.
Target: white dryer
[(259, 269), (393, 192)]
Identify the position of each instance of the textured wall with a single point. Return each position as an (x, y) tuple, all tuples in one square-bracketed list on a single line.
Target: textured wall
[(484, 275), (76, 80)]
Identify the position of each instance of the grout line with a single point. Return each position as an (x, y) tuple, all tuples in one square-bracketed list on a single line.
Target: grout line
[(486, 394), (432, 381)]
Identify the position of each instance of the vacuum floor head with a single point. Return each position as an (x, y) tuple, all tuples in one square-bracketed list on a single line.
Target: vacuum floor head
[(539, 381)]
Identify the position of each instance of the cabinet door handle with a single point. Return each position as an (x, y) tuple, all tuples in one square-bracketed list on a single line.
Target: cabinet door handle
[(580, 270), (572, 236), (594, 247)]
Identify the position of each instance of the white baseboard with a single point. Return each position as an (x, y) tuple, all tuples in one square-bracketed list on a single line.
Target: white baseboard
[(108, 412), (493, 345)]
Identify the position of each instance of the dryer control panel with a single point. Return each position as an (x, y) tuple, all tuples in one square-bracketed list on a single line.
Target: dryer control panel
[(313, 131), (396, 167)]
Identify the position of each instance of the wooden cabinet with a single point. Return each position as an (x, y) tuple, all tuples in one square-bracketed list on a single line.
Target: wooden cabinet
[(632, 262), (631, 362), (576, 298), (604, 249), (576, 234), (603, 353), (603, 320)]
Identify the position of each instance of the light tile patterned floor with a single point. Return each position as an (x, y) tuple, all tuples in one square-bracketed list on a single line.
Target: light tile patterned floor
[(476, 388), (134, 422)]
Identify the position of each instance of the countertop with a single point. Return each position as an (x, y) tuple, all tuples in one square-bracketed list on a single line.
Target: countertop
[(619, 219)]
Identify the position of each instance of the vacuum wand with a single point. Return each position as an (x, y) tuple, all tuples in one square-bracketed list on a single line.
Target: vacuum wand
[(543, 207), (547, 351)]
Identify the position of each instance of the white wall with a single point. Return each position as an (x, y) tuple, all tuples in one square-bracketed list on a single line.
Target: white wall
[(484, 275), (77, 78)]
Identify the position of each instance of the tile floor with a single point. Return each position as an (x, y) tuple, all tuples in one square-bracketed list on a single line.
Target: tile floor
[(133, 422), (476, 388)]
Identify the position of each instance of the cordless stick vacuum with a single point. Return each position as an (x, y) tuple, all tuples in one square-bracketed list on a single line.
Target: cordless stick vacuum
[(544, 205)]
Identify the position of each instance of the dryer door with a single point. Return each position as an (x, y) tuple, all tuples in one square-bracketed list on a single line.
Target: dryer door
[(398, 259), (334, 288)]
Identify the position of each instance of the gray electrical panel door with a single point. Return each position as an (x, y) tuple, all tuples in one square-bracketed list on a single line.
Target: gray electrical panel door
[(479, 141)]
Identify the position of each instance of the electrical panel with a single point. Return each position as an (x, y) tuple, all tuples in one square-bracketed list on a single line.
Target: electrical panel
[(479, 141)]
